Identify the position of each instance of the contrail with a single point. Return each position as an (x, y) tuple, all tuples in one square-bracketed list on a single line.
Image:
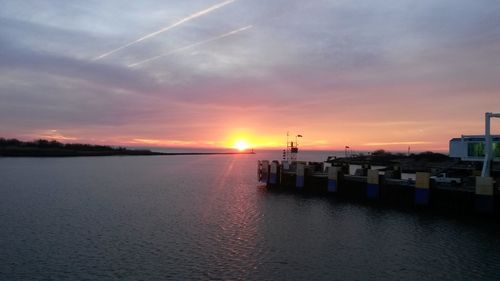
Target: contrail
[(179, 22), (192, 45)]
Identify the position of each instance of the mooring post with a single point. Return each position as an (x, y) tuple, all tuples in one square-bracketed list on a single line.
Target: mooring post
[(422, 184), (300, 176), (273, 179), (333, 175), (265, 171), (484, 195), (259, 168), (285, 165), (396, 172), (373, 184)]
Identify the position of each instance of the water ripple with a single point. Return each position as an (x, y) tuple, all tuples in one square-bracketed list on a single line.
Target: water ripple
[(200, 218)]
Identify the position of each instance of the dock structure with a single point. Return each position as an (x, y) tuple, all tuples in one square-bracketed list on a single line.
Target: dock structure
[(384, 186), (473, 186)]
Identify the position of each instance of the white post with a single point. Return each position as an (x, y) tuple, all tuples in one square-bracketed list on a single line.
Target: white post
[(487, 146), (488, 153)]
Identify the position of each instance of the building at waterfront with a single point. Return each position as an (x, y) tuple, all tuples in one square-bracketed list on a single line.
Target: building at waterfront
[(472, 147)]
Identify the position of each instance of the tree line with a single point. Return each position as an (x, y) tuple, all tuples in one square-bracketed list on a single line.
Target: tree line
[(53, 144), (422, 156)]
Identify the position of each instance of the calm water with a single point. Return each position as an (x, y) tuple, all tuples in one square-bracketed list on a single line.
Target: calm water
[(191, 217)]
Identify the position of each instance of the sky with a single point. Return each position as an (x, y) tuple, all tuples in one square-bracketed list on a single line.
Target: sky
[(211, 73)]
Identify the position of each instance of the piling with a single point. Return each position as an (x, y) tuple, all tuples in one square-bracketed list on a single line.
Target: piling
[(259, 170), (422, 184), (285, 165), (333, 176), (264, 170), (373, 184), (274, 173), (300, 176), (484, 195)]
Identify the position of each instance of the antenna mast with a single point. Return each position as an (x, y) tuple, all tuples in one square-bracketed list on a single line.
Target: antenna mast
[(290, 154)]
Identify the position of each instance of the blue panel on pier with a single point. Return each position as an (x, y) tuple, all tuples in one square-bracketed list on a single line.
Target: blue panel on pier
[(299, 182), (484, 204), (332, 185), (421, 196), (372, 190), (273, 179)]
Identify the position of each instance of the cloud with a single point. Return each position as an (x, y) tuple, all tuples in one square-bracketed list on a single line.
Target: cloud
[(196, 44), (112, 76), (53, 135), (167, 28), (399, 70)]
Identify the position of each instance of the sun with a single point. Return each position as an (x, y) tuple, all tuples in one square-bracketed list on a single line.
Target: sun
[(241, 145)]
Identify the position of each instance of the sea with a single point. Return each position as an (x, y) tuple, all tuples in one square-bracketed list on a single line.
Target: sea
[(207, 218)]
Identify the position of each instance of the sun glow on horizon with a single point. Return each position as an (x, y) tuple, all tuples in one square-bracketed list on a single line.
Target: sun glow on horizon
[(241, 145)]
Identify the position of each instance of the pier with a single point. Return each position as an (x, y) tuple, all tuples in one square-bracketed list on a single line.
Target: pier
[(383, 185), (466, 182)]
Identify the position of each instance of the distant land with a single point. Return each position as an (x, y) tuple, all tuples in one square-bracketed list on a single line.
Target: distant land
[(52, 148)]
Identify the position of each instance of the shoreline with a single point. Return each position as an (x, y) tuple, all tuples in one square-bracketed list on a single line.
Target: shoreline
[(46, 148), (47, 154)]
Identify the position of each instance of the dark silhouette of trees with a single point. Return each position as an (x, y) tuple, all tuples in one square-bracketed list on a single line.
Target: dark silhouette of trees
[(41, 147), (429, 156)]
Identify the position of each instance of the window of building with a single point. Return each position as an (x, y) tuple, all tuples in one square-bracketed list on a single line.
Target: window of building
[(476, 149)]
